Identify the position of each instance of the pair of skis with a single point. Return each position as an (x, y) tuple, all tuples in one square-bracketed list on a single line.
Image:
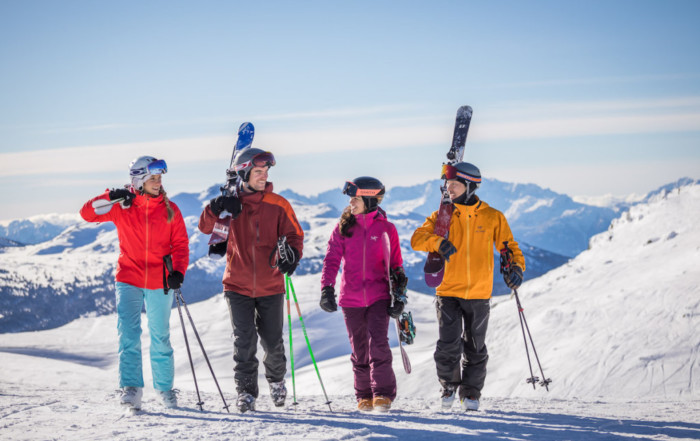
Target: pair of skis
[(217, 240), (434, 267)]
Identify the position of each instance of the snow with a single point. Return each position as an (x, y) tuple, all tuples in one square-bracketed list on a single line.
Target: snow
[(615, 329)]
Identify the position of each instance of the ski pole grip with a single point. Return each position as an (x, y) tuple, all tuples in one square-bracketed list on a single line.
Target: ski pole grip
[(168, 261)]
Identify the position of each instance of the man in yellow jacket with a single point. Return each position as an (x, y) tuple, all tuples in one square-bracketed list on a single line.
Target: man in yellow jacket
[(464, 296)]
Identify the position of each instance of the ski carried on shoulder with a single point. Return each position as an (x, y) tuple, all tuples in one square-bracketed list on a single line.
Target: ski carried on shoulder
[(217, 241), (434, 267)]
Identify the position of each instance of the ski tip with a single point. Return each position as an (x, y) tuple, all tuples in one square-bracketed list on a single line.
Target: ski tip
[(465, 111)]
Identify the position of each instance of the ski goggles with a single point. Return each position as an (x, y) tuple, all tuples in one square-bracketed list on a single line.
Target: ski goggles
[(450, 172), (158, 167), (265, 159), (353, 190)]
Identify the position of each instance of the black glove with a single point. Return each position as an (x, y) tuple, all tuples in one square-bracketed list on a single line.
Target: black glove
[(328, 299), (446, 249), (289, 264), (119, 193), (175, 280), (232, 204), (399, 281), (396, 309), (514, 278)]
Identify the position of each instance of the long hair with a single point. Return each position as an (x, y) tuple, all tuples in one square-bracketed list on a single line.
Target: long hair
[(171, 212), (347, 220)]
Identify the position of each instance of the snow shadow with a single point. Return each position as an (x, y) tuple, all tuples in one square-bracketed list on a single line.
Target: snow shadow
[(98, 362)]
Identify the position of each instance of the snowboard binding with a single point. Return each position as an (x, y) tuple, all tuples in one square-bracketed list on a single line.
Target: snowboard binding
[(407, 330)]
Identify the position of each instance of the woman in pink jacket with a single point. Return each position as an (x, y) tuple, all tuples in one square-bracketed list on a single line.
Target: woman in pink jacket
[(359, 243)]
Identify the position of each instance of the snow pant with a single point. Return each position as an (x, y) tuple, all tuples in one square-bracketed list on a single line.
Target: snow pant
[(250, 317), (462, 334), (371, 355), (130, 301)]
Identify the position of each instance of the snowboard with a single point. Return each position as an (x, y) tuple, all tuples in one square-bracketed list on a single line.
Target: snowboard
[(405, 320), (434, 267)]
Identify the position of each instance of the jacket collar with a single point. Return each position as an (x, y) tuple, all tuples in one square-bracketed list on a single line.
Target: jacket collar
[(142, 200)]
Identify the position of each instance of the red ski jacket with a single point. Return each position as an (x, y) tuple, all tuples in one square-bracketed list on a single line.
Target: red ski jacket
[(252, 240), (145, 236)]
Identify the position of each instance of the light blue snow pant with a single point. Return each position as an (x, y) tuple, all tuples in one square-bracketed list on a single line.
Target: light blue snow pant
[(130, 300)]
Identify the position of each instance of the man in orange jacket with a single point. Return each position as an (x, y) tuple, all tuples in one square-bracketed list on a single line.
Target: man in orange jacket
[(254, 290), (464, 296)]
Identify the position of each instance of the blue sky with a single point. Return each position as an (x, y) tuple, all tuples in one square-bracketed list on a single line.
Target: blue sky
[(586, 98)]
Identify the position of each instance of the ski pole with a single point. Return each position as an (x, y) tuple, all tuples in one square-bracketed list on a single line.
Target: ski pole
[(506, 268), (291, 347), (533, 379), (308, 344), (179, 298)]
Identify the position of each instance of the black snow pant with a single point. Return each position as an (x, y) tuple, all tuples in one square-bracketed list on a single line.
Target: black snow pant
[(462, 334), (250, 317)]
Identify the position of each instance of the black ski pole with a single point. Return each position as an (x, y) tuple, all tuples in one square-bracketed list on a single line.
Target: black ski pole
[(506, 268), (179, 298)]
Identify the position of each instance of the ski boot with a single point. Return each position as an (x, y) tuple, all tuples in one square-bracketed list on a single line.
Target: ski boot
[(245, 402), (131, 398), (447, 397), (278, 392), (168, 397), (470, 404)]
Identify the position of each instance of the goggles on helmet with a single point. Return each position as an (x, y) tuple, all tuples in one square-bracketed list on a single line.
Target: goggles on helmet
[(352, 190), (266, 159), (451, 172), (158, 167)]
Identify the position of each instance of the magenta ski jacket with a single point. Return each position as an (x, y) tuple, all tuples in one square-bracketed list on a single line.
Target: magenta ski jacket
[(364, 277)]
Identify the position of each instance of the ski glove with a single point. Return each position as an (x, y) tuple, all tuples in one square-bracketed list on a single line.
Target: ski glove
[(328, 299), (232, 204), (514, 278), (288, 263), (446, 249), (175, 280), (396, 309), (122, 193), (398, 282)]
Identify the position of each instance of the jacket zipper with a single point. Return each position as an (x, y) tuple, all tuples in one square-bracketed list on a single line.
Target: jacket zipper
[(255, 270), (364, 263), (469, 260), (146, 248)]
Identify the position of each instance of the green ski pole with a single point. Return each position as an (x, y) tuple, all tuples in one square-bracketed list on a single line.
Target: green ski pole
[(308, 344), (291, 347)]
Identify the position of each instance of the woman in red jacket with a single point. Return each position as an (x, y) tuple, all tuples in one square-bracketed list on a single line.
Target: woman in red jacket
[(149, 227)]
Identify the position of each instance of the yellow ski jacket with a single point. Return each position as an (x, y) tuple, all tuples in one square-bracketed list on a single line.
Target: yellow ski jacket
[(474, 230)]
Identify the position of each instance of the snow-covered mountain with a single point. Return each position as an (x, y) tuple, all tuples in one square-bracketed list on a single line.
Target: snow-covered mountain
[(615, 329), (67, 271)]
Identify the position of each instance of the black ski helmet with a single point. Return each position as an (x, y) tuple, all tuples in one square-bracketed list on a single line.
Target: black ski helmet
[(250, 158), (464, 172), (371, 190)]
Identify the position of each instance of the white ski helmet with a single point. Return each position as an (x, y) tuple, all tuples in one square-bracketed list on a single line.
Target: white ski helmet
[(249, 158), (143, 167)]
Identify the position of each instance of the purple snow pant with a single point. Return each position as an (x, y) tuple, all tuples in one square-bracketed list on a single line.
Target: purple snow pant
[(371, 355)]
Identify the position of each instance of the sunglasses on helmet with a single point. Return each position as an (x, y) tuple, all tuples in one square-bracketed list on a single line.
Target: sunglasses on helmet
[(451, 172), (353, 190)]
